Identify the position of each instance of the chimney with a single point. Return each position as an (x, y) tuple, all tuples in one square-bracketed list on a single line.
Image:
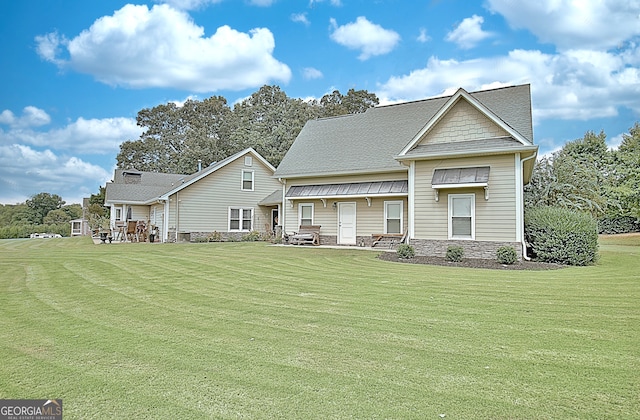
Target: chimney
[(199, 165)]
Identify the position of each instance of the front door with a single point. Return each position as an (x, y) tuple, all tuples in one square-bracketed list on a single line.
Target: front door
[(346, 223)]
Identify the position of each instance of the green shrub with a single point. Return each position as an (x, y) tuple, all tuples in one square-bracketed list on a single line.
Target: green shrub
[(562, 236), (454, 253), (618, 224), (406, 251), (252, 236), (215, 236), (507, 255)]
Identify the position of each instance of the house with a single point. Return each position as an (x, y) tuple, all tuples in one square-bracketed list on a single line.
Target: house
[(80, 227), (231, 197), (444, 171)]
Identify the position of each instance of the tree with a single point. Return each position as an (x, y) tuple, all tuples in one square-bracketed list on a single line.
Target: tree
[(626, 175), (39, 205), (177, 136), (575, 177), (354, 102), (269, 121)]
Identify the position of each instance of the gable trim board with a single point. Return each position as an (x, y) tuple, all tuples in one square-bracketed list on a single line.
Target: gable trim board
[(431, 141)]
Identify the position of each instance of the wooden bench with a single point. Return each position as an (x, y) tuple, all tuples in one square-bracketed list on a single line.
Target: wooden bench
[(388, 240), (308, 234)]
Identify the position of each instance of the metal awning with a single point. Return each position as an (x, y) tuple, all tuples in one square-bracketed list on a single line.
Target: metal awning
[(354, 189), (461, 178)]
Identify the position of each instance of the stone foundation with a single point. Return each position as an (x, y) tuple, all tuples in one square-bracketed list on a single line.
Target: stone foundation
[(472, 249)]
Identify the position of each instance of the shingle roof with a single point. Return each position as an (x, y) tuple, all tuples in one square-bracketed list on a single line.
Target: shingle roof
[(148, 186), (368, 142)]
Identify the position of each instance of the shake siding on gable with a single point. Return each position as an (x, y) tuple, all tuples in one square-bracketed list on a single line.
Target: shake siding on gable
[(495, 218), (463, 122)]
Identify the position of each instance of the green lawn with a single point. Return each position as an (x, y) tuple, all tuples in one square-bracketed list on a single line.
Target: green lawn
[(248, 330)]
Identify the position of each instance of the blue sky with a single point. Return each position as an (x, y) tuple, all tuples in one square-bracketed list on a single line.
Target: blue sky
[(75, 72)]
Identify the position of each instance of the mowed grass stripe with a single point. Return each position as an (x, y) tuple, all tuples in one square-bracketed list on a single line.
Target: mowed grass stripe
[(249, 330)]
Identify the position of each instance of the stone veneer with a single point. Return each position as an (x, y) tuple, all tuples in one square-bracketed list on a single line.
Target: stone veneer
[(472, 249)]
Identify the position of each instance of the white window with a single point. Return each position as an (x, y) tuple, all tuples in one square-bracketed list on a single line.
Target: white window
[(248, 161), (462, 209), (305, 214), (393, 217), (118, 213), (240, 219), (247, 180)]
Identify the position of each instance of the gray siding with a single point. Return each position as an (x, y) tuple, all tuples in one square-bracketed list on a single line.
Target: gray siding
[(204, 205)]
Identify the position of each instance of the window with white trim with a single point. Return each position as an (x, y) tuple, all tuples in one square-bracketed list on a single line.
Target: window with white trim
[(240, 219), (462, 208), (305, 214), (393, 217), (247, 180), (248, 161), (118, 213)]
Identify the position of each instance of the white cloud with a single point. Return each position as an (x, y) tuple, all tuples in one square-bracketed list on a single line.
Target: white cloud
[(300, 18), (423, 37), (571, 24), (468, 33), (162, 47), (188, 4), (86, 136), (262, 3), (31, 117), (369, 38), (48, 47), (577, 85), (333, 2), (310, 73), (25, 171)]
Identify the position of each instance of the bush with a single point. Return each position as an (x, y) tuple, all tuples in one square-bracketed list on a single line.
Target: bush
[(562, 236), (252, 236), (507, 255), (618, 224), (405, 251), (454, 253), (215, 237)]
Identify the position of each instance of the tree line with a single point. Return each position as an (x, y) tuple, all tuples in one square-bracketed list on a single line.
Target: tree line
[(587, 176), (177, 137)]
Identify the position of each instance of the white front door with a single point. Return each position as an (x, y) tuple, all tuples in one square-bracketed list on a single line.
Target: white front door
[(346, 223)]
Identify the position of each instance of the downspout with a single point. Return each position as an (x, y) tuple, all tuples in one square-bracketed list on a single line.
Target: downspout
[(282, 212), (177, 214), (411, 179), (521, 214), (165, 221)]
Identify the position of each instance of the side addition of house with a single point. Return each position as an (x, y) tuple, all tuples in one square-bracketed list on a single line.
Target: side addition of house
[(442, 171), (231, 197)]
